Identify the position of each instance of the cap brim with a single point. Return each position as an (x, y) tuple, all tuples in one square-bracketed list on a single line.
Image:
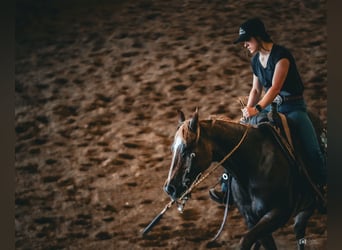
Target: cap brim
[(242, 38)]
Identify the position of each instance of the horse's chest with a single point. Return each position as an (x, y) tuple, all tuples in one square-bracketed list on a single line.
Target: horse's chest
[(253, 201), (258, 206), (252, 210)]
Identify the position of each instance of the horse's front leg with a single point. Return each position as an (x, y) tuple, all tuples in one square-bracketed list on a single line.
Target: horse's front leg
[(301, 221), (265, 226), (268, 242)]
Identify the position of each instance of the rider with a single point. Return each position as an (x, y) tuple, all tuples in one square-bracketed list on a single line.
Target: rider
[(275, 71)]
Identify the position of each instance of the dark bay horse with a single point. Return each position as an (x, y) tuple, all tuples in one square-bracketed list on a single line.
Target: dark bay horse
[(267, 186)]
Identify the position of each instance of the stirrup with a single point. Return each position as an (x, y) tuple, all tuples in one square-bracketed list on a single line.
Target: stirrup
[(219, 197)]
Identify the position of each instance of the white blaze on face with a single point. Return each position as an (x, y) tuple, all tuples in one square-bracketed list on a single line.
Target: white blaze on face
[(177, 143)]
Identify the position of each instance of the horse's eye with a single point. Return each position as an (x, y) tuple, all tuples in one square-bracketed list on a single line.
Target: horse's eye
[(192, 155)]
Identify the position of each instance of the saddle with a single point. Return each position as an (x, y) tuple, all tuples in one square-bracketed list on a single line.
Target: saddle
[(277, 120)]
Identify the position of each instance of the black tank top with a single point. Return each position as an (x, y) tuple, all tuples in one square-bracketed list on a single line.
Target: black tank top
[(293, 84)]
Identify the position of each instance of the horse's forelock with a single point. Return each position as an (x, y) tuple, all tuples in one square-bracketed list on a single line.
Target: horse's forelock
[(185, 134)]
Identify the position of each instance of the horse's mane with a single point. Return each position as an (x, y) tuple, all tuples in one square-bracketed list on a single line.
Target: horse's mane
[(185, 133), (219, 117), (226, 119), (222, 118)]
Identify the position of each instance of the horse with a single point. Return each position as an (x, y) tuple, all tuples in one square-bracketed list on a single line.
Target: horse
[(267, 185)]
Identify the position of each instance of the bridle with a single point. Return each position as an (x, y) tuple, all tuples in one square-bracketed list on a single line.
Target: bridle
[(199, 179), (185, 180)]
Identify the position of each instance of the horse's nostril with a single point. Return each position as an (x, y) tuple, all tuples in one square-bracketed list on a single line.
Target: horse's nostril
[(170, 189)]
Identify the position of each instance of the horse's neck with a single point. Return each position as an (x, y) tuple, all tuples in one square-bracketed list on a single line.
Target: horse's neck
[(224, 135), (225, 138)]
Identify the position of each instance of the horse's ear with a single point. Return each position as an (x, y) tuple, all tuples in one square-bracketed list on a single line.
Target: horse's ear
[(194, 121), (181, 116)]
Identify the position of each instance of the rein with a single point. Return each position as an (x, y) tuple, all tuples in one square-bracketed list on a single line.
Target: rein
[(225, 212), (198, 180)]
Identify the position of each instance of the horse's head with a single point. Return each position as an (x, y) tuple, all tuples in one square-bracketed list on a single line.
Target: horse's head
[(191, 156)]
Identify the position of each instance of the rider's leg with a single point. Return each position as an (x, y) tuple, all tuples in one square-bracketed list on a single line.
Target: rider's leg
[(314, 158)]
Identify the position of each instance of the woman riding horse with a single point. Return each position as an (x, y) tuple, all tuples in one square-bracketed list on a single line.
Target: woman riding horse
[(267, 185), (275, 71)]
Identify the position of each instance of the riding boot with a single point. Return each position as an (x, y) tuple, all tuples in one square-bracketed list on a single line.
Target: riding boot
[(221, 196)]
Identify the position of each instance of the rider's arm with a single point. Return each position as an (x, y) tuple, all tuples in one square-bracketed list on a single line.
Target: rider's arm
[(279, 76), (255, 93)]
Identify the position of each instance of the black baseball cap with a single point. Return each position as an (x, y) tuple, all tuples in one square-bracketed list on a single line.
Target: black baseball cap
[(252, 28)]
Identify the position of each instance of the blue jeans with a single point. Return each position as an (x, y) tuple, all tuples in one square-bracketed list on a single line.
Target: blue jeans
[(304, 130)]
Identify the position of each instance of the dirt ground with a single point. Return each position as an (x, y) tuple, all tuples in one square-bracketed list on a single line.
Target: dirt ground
[(97, 87)]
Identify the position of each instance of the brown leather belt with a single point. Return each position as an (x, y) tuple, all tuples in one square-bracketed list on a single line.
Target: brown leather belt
[(287, 98), (292, 98)]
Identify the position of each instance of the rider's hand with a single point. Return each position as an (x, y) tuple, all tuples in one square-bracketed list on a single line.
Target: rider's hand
[(249, 112)]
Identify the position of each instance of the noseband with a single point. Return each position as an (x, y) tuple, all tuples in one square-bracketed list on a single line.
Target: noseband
[(185, 180)]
